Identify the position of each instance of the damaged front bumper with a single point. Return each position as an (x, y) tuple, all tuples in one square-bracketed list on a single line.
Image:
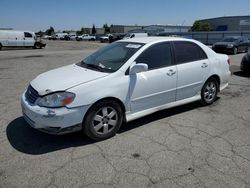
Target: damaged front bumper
[(53, 120)]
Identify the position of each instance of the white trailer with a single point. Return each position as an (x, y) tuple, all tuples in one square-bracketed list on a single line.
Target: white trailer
[(9, 38)]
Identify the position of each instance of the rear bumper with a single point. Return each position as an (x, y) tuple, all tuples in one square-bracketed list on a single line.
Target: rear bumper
[(225, 80)]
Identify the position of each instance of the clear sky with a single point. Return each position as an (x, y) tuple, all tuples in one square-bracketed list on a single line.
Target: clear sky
[(73, 14)]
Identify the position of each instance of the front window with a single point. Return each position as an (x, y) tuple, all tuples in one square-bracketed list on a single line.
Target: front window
[(111, 57), (27, 35)]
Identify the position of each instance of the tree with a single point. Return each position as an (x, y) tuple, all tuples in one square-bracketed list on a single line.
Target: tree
[(83, 31), (106, 28), (93, 30), (201, 26), (50, 31)]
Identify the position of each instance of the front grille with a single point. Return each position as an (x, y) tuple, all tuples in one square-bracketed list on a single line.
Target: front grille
[(31, 95)]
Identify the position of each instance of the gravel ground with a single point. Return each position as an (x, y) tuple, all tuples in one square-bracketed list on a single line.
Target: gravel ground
[(188, 146)]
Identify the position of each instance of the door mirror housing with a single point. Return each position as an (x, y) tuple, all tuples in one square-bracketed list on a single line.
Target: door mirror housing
[(137, 68)]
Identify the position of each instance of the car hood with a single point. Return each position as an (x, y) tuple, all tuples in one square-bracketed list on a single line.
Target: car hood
[(223, 43), (63, 78)]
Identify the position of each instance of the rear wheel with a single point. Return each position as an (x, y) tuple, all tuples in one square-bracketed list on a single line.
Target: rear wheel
[(1, 46), (103, 120), (209, 91)]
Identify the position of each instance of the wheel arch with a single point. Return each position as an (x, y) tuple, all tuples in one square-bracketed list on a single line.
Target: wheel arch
[(118, 101), (217, 78)]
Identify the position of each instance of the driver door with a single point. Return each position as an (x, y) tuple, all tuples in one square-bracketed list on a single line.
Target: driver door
[(157, 86)]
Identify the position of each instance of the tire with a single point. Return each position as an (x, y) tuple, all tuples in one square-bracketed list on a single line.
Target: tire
[(1, 46), (235, 50), (209, 91), (37, 45), (103, 120)]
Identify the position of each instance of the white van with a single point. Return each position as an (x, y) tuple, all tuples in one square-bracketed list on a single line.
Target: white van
[(135, 35), (59, 36), (9, 38)]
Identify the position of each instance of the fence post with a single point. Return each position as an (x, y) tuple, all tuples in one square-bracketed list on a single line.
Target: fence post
[(207, 38)]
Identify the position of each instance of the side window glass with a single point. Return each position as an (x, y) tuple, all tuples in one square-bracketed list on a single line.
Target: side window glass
[(156, 56), (27, 35), (187, 52)]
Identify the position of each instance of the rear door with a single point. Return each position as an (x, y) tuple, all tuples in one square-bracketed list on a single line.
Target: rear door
[(157, 86), (192, 67)]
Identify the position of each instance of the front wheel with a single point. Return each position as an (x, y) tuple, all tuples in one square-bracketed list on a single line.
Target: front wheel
[(103, 120), (209, 91), (37, 45)]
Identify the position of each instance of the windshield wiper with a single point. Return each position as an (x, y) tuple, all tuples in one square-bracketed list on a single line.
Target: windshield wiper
[(92, 66), (95, 67)]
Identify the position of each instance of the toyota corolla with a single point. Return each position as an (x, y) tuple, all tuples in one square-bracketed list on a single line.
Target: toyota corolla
[(124, 81)]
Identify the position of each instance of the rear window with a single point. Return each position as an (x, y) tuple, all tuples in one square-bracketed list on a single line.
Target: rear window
[(187, 52)]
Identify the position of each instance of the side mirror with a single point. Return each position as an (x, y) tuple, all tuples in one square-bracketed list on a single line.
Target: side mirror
[(137, 68)]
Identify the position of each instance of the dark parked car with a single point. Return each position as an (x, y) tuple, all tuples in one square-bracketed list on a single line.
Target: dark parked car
[(116, 36), (232, 45), (245, 63)]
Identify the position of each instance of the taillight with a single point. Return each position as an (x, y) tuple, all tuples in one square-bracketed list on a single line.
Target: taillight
[(228, 61)]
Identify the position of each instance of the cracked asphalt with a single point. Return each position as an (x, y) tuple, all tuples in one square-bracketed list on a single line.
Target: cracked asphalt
[(187, 146)]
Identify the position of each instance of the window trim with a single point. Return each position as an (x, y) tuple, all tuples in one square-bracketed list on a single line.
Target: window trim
[(175, 54)]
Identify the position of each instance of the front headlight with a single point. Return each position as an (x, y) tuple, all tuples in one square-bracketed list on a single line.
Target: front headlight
[(55, 100), (230, 45)]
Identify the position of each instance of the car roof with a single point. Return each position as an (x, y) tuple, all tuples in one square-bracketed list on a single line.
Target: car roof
[(147, 40)]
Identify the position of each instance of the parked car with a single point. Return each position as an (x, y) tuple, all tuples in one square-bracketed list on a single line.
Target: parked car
[(85, 37), (105, 38), (135, 35), (232, 45), (245, 63), (123, 81), (72, 37), (10, 38), (116, 36)]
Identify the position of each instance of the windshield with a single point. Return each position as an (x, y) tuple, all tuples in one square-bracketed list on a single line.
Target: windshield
[(128, 35), (231, 39), (111, 57)]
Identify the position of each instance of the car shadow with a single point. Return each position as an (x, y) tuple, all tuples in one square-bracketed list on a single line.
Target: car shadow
[(30, 141), (25, 139), (242, 74)]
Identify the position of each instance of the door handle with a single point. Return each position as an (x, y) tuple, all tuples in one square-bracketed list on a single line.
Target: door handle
[(171, 72), (204, 65)]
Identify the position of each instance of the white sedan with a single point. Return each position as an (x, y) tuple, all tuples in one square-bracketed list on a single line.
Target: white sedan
[(124, 81)]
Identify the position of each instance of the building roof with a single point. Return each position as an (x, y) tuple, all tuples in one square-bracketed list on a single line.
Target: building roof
[(227, 17)]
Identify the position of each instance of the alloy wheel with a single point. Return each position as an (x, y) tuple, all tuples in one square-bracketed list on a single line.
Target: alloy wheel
[(105, 120)]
